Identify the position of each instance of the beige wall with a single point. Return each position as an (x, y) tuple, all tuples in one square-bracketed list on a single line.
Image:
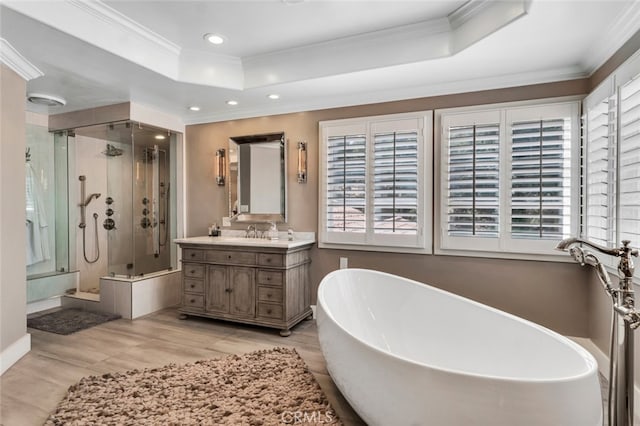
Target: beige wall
[(13, 293), (552, 294)]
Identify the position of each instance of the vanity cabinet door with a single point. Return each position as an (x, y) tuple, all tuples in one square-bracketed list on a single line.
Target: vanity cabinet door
[(242, 284), (217, 289)]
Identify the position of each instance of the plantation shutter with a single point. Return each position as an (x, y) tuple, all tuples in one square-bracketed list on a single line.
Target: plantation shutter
[(373, 182), (541, 178), (509, 178), (395, 187), (346, 184), (599, 176), (629, 172), (473, 173), (395, 170)]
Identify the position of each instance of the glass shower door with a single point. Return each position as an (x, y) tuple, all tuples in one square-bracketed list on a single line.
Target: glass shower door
[(151, 200), (118, 203)]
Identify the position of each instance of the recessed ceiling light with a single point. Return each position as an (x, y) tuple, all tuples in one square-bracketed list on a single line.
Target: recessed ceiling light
[(232, 102), (194, 108), (47, 100), (214, 38), (274, 96), (160, 137)]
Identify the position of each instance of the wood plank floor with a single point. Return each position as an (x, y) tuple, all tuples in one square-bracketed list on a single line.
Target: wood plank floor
[(31, 389)]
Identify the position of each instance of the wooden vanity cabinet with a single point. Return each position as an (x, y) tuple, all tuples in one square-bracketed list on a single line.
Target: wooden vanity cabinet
[(254, 285)]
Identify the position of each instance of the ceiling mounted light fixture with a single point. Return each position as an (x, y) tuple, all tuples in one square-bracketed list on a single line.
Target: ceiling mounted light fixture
[(194, 108), (160, 137), (232, 102), (273, 96), (46, 100), (214, 38)]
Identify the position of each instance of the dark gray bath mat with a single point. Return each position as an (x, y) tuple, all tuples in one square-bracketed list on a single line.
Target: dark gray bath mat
[(67, 321)]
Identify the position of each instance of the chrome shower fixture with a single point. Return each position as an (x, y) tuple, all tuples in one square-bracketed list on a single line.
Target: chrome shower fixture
[(83, 220), (625, 319), (112, 151)]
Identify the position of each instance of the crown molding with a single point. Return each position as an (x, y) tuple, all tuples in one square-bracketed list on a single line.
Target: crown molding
[(18, 63), (112, 17), (97, 24), (466, 12), (620, 32), (393, 95)]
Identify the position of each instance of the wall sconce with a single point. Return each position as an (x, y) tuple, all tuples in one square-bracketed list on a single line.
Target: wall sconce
[(221, 167), (302, 162)]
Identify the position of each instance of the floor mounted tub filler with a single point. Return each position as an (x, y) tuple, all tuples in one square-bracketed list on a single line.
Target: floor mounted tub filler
[(402, 352)]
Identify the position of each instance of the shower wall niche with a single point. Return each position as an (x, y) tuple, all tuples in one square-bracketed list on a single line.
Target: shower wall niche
[(128, 171)]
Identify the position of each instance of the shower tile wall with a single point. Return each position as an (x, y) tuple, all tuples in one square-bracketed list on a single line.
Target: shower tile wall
[(92, 163)]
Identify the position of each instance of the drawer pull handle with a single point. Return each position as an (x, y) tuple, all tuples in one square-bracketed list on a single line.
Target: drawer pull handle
[(193, 271), (268, 295), (268, 259), (269, 311), (193, 301), (268, 278), (193, 285), (227, 290), (193, 255)]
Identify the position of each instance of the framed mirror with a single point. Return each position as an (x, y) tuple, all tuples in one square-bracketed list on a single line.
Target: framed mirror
[(257, 178)]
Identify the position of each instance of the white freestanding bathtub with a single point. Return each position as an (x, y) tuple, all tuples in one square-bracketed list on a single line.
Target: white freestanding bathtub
[(405, 353)]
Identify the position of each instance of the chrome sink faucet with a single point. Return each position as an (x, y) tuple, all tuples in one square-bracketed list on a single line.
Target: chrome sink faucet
[(625, 319), (250, 232)]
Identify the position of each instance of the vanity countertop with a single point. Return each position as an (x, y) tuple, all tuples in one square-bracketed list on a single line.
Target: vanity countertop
[(245, 242)]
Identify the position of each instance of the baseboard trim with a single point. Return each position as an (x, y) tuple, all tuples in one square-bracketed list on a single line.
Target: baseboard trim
[(14, 352), (603, 365)]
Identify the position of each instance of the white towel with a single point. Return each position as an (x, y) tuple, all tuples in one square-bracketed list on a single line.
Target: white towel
[(37, 226)]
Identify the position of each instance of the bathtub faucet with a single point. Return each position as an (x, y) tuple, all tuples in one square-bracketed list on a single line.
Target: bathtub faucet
[(625, 319)]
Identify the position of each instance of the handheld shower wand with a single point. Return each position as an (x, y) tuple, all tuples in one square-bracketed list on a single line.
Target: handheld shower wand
[(83, 220)]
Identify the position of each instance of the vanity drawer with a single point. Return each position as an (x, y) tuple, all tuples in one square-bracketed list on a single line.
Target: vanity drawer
[(235, 257), (270, 259), (193, 286), (268, 310), (192, 270), (269, 294), (193, 301), (192, 254), (270, 277)]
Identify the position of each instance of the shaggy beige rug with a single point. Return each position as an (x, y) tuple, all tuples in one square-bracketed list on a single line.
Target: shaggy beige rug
[(270, 387)]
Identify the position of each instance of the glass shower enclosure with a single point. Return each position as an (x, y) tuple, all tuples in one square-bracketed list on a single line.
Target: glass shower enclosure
[(122, 200)]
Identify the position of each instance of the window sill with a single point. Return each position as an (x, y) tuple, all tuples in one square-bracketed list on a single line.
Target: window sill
[(561, 257), (386, 249)]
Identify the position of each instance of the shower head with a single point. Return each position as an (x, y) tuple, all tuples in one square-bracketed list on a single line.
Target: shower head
[(112, 151)]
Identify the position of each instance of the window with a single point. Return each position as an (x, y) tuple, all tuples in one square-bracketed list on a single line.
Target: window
[(612, 159), (508, 178), (600, 171), (374, 192)]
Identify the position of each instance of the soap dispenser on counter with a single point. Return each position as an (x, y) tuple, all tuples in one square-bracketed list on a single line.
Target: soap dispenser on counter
[(273, 231), (214, 230)]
